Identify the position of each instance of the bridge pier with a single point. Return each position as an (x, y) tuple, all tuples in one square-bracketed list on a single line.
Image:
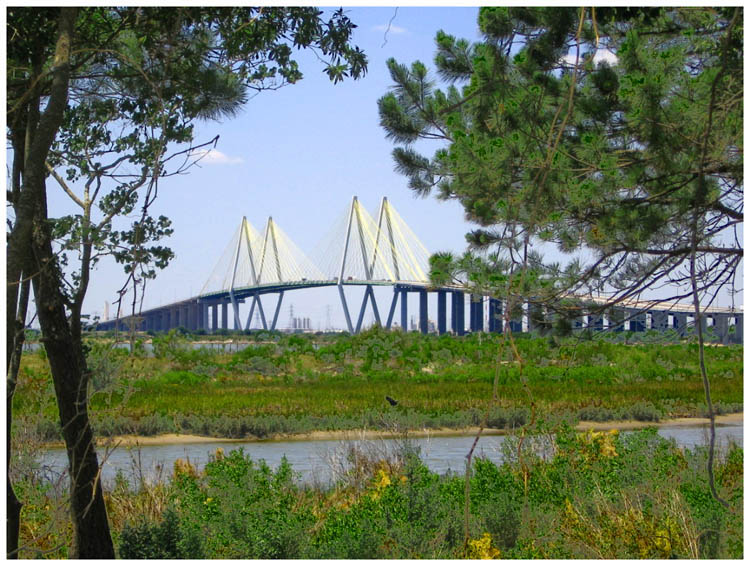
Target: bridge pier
[(679, 323), (704, 324), (404, 311), (738, 330), (659, 320), (515, 324), (495, 315), (458, 316), (441, 320), (721, 327), (595, 322), (615, 319), (205, 322), (392, 310), (536, 317), (476, 305), (577, 321), (423, 311), (637, 320)]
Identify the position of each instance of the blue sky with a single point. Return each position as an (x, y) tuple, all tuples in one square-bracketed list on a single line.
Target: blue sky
[(299, 154)]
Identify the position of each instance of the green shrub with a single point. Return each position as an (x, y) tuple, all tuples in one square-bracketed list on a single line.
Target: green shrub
[(163, 540)]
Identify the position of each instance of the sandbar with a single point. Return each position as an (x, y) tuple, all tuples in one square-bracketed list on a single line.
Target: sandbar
[(162, 439)]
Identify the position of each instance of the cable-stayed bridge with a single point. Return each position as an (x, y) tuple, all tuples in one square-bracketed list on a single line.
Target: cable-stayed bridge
[(373, 250)]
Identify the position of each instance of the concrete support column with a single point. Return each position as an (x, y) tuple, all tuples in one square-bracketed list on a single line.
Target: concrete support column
[(679, 322), (616, 317), (659, 320), (536, 317), (704, 324), (224, 317), (205, 322), (496, 313), (175, 317), (454, 312), (457, 306), (514, 315), (475, 313), (404, 311), (637, 320), (441, 321), (595, 323), (738, 329), (423, 311), (721, 327), (214, 317), (578, 321), (516, 325)]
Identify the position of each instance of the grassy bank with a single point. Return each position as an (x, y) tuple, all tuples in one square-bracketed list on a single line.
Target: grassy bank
[(301, 383), (601, 495)]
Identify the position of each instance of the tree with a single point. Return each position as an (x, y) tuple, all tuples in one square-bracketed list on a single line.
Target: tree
[(96, 99), (612, 132), (550, 137)]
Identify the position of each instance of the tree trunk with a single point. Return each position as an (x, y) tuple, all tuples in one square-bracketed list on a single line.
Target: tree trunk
[(92, 537), (30, 250), (13, 521)]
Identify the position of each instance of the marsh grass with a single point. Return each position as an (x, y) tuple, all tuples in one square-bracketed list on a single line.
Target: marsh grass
[(298, 383)]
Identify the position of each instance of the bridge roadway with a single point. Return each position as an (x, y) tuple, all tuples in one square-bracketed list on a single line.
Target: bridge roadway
[(202, 312)]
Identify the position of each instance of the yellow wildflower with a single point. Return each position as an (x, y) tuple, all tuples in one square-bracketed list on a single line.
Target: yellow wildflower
[(382, 480), (482, 549)]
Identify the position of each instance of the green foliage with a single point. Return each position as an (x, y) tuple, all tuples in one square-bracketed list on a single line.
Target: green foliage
[(603, 495), (545, 140), (105, 362), (165, 540), (336, 382), (244, 509)]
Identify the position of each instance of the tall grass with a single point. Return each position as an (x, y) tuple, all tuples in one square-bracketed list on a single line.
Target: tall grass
[(292, 383)]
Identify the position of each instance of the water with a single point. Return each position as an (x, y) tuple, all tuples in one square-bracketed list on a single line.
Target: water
[(318, 461)]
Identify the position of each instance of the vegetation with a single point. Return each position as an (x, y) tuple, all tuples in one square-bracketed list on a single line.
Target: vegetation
[(600, 495), (299, 383)]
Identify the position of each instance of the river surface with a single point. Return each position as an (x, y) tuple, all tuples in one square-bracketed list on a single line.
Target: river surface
[(322, 461)]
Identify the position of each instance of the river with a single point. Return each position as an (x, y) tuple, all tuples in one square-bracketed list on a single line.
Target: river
[(320, 461)]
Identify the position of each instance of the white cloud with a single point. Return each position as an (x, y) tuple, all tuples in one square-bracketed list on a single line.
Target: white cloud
[(600, 55), (215, 157), (393, 29), (605, 55)]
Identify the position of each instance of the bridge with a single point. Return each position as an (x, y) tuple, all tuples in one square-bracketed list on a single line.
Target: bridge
[(379, 250)]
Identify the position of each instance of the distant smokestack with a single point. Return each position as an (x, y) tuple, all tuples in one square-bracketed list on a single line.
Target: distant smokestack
[(106, 310)]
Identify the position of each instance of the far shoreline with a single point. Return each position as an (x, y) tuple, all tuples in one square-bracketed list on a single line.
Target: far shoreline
[(371, 434)]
